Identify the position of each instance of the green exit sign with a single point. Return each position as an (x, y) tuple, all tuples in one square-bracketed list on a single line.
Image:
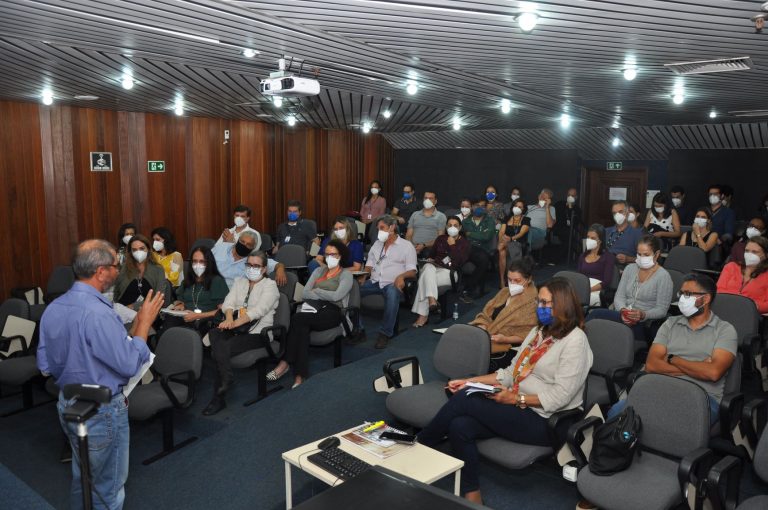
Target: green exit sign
[(614, 165), (155, 166)]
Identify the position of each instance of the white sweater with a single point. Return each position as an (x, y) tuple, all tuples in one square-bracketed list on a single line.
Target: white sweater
[(262, 302)]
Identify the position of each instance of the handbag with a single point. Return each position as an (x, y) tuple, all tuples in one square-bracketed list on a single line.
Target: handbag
[(615, 443)]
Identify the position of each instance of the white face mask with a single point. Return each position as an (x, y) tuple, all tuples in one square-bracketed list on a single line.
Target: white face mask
[(139, 256), (619, 218), (465, 211), (453, 231), (645, 262), (517, 211), (752, 232), (659, 209), (239, 221), (687, 305), (700, 222), (253, 273), (571, 199), (515, 197), (751, 259), (428, 204), (158, 245), (515, 289), (198, 269), (631, 217), (542, 203), (590, 244), (677, 202), (382, 236), (332, 262), (340, 234), (374, 191), (127, 239), (714, 199)]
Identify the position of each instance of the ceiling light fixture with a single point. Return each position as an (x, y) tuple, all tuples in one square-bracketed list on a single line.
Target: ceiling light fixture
[(85, 97), (630, 73), (178, 107), (678, 97), (616, 141), (506, 106), (411, 87), (249, 53), (387, 114), (713, 114), (565, 121), (366, 127), (616, 122), (456, 124), (527, 21), (127, 82), (277, 101), (47, 97), (291, 120)]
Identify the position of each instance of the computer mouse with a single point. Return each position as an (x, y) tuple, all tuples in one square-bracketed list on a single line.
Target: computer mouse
[(328, 442)]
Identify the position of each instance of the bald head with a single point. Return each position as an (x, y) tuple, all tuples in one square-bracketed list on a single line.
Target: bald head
[(90, 255)]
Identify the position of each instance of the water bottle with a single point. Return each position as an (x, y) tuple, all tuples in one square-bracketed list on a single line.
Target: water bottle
[(455, 311)]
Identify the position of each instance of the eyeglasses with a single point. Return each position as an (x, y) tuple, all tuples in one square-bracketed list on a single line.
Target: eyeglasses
[(543, 302), (254, 266), (688, 293)]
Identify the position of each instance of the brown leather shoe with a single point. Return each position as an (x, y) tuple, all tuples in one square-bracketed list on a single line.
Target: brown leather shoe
[(381, 341), (585, 505)]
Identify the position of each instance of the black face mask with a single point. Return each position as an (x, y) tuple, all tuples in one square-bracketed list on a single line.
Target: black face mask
[(242, 249)]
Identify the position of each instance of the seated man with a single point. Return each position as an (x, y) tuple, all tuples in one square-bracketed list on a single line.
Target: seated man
[(425, 225), (391, 261), (230, 259), (296, 230), (697, 346), (405, 207), (621, 239), (543, 217), (242, 217), (756, 228), (723, 218)]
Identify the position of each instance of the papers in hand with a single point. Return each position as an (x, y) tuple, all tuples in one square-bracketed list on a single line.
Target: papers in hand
[(439, 331), (476, 387), (175, 313), (133, 381)]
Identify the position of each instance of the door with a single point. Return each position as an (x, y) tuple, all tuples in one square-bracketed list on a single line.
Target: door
[(603, 187)]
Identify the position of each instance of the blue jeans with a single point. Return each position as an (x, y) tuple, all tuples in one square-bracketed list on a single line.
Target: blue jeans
[(392, 297), (312, 265), (108, 441), (714, 410)]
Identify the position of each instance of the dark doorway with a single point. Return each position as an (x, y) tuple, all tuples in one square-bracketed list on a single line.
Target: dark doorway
[(601, 184)]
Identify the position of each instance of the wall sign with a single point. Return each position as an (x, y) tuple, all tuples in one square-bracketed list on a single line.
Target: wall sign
[(613, 165), (155, 166), (101, 161), (617, 193)]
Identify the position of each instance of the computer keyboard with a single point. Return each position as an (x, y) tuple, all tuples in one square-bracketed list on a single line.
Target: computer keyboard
[(339, 463)]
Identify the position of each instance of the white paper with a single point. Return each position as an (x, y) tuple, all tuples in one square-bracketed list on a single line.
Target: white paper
[(476, 387), (314, 250), (133, 381), (439, 331), (126, 314), (593, 282), (649, 197), (175, 313), (307, 308), (617, 193), (17, 326)]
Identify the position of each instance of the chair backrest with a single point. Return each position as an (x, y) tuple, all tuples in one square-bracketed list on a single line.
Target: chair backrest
[(612, 344), (283, 312), (292, 255), (179, 349), (733, 377), (266, 242), (61, 280), (290, 287), (761, 456), (13, 306), (354, 296), (675, 414), (677, 281), (685, 259), (203, 241), (167, 290), (740, 312), (580, 284), (463, 351)]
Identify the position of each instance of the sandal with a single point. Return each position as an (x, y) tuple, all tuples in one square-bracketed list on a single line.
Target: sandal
[(274, 376)]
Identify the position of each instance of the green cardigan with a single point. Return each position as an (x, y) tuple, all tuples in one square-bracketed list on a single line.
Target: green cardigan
[(154, 274)]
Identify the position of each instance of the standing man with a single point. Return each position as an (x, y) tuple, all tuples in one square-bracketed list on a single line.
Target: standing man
[(83, 341), (425, 225), (568, 227), (543, 217), (405, 207)]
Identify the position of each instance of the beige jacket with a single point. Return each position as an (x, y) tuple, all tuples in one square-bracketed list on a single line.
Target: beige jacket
[(516, 319)]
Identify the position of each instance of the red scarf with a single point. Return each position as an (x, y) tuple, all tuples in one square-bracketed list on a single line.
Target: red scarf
[(528, 359)]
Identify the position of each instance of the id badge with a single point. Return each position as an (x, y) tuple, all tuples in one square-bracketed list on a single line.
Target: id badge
[(369, 216), (287, 239), (447, 261), (241, 311)]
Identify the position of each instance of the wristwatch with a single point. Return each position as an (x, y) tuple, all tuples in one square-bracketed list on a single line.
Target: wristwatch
[(669, 358), (521, 401)]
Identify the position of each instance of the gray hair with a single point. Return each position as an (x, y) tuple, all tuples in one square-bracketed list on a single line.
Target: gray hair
[(388, 220), (90, 255), (547, 191), (260, 254), (622, 203), (248, 233)]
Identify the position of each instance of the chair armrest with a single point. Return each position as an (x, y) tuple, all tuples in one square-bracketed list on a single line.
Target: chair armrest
[(723, 483), (731, 407), (753, 419), (5, 343), (613, 377), (188, 381), (632, 377), (393, 377), (559, 423), (279, 335), (575, 438), (693, 469), (350, 312)]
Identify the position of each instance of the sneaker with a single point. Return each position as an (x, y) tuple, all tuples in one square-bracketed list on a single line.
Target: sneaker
[(381, 341)]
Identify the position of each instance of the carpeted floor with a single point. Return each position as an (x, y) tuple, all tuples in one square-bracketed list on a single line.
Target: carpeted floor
[(236, 463)]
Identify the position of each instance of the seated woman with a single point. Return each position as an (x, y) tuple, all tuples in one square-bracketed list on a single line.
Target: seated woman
[(201, 293), (164, 252), (511, 314), (327, 291), (248, 308), (547, 376), (701, 234), (750, 278), (139, 275), (755, 228), (342, 230), (596, 263), (633, 217), (662, 220), (513, 237), (450, 251), (644, 293), (124, 235)]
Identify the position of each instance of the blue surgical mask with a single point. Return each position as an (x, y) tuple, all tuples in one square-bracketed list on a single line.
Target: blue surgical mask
[(293, 216), (490, 195), (406, 196), (544, 315), (479, 211)]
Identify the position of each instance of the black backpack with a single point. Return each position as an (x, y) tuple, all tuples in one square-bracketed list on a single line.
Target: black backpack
[(614, 443)]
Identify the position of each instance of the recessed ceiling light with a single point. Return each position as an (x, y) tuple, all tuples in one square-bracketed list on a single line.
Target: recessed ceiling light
[(412, 87), (565, 120), (277, 101), (713, 114), (616, 122), (527, 21), (179, 107), (47, 97), (291, 120), (506, 106), (616, 141), (249, 53), (456, 124), (387, 114), (127, 82), (630, 73), (86, 98), (366, 127), (678, 98)]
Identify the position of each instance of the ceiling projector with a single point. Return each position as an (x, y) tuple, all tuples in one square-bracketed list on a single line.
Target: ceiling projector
[(289, 86)]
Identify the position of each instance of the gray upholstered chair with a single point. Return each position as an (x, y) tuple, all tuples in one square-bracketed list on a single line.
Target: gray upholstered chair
[(673, 440), (677, 281), (20, 368), (14, 342), (685, 259), (336, 334), (266, 242), (613, 351), (292, 256), (177, 366), (463, 351), (580, 284), (59, 282), (290, 287), (203, 241), (742, 314)]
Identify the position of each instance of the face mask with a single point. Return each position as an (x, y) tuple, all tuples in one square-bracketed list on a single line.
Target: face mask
[(714, 199), (293, 216), (428, 204), (515, 196), (198, 269), (340, 234), (619, 218), (139, 256), (631, 217), (544, 315), (517, 211), (645, 262), (479, 211), (700, 222), (127, 239), (752, 232), (374, 191), (158, 245), (571, 199), (465, 211), (590, 244), (332, 262), (677, 201), (239, 221), (542, 203), (490, 195), (659, 210), (687, 306), (751, 259), (515, 289), (242, 249), (253, 273), (382, 236), (406, 195), (453, 231)]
